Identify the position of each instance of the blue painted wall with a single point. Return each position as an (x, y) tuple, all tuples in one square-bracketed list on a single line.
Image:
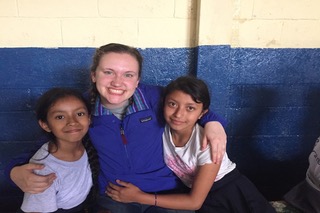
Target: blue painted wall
[(270, 98)]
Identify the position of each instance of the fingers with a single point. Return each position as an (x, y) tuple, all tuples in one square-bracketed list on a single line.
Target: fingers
[(113, 186), (25, 178), (32, 166), (214, 153), (204, 143), (51, 177), (215, 135), (42, 180), (218, 150), (111, 189), (48, 179), (38, 184), (123, 183), (36, 188), (216, 158), (111, 192)]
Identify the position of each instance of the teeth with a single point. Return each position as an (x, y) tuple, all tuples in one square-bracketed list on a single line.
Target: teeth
[(116, 91)]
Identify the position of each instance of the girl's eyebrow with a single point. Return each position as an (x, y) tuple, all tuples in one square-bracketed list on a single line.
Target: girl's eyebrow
[(83, 107), (77, 109)]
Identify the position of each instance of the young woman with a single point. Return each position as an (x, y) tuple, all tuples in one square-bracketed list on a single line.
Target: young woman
[(213, 187), (65, 116)]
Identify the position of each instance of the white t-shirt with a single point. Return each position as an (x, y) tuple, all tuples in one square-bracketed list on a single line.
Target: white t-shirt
[(313, 172), (68, 190), (183, 161)]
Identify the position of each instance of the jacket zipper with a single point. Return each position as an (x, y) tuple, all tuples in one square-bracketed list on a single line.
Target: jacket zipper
[(123, 137), (124, 142)]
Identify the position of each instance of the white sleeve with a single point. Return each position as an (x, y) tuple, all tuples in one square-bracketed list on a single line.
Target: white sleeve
[(41, 202), (204, 157)]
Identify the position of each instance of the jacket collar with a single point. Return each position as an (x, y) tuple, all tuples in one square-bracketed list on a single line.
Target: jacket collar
[(137, 103)]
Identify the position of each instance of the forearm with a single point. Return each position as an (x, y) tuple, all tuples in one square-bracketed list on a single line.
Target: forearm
[(22, 159), (127, 193), (171, 201), (193, 200)]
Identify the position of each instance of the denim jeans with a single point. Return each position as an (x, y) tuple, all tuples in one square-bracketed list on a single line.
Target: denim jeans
[(117, 207)]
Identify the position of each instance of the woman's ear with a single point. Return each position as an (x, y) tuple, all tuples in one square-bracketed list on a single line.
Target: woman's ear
[(202, 113), (93, 77), (44, 126), (138, 82)]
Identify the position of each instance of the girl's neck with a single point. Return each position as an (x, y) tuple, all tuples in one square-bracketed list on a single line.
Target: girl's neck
[(180, 138), (67, 152)]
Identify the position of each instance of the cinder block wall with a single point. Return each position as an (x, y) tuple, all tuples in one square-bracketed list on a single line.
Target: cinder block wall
[(261, 60)]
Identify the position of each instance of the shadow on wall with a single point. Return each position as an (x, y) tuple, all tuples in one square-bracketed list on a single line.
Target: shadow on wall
[(271, 137)]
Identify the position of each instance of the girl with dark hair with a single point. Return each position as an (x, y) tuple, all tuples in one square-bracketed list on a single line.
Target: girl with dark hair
[(213, 187), (65, 116)]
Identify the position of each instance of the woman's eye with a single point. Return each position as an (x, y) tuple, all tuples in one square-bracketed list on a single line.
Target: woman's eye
[(128, 75), (107, 72)]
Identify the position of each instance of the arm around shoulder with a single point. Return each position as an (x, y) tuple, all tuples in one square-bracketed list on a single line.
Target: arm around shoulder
[(24, 177)]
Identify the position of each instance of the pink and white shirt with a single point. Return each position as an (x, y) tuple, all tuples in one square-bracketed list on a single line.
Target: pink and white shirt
[(184, 161)]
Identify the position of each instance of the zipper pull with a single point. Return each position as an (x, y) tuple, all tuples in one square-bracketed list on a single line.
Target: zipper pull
[(124, 139)]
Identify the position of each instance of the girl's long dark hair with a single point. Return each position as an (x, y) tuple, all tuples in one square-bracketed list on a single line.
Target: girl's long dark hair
[(45, 102), (95, 167)]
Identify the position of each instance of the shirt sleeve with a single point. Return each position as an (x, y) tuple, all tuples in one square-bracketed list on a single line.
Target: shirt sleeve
[(204, 157), (211, 116), (42, 202)]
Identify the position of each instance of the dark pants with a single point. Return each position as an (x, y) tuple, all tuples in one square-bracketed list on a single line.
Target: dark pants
[(304, 197), (235, 193)]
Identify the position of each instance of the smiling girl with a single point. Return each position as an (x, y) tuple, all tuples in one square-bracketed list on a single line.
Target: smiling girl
[(64, 115), (213, 187)]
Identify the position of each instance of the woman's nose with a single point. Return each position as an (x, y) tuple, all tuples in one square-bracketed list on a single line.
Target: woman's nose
[(116, 80)]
